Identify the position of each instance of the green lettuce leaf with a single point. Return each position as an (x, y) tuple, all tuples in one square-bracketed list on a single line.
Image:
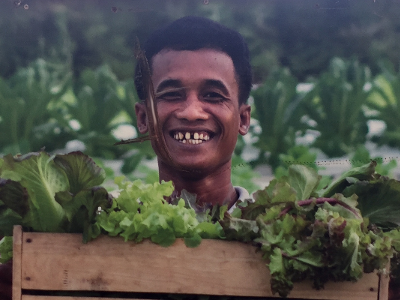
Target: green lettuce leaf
[(81, 170), (6, 249), (42, 179), (378, 200), (364, 172), (303, 180)]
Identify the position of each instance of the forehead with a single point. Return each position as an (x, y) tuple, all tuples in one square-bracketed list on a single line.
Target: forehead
[(189, 65)]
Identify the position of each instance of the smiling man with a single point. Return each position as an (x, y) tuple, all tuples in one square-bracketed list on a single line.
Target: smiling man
[(202, 78)]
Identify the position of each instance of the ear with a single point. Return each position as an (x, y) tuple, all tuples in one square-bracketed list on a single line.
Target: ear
[(141, 117), (245, 113)]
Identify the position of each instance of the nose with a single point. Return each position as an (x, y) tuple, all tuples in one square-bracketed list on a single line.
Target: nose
[(192, 109)]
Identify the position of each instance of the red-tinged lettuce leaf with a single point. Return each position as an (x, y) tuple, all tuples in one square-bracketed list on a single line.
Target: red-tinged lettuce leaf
[(364, 172), (303, 180), (378, 200), (42, 179), (81, 170)]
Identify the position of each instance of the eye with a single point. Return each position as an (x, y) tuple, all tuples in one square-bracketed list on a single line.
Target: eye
[(170, 96), (213, 97)]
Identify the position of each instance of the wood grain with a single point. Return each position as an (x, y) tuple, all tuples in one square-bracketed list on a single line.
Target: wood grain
[(61, 262), (17, 253), (30, 297)]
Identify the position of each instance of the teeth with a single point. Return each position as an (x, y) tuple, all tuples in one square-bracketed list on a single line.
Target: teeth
[(187, 137)]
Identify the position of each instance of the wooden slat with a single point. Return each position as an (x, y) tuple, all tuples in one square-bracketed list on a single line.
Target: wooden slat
[(384, 285), (110, 264), (62, 262), (366, 288), (30, 297), (17, 253)]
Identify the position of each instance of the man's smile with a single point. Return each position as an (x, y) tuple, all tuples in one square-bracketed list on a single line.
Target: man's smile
[(191, 137)]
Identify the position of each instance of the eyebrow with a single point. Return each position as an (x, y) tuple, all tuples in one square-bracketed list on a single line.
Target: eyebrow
[(169, 83), (175, 83), (217, 84)]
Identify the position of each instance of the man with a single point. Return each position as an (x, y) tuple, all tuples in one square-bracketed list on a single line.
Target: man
[(201, 75), (202, 78)]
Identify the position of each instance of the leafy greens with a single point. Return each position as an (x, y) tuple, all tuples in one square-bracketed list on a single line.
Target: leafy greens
[(46, 193), (337, 233)]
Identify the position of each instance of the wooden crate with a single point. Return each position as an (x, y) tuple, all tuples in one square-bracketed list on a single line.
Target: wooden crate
[(60, 262)]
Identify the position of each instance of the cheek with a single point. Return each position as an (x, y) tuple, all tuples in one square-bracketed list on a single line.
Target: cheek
[(164, 111)]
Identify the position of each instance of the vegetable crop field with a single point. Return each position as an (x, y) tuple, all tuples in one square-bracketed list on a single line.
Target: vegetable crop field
[(325, 111)]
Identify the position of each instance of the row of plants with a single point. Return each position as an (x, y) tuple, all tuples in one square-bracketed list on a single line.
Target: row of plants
[(43, 105), (335, 108)]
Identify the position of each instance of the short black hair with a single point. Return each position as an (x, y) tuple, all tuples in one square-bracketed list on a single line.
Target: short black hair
[(194, 33)]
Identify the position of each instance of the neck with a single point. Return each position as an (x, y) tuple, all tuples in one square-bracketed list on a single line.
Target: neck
[(213, 187)]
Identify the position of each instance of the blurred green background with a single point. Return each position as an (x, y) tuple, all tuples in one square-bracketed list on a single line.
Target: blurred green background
[(326, 81)]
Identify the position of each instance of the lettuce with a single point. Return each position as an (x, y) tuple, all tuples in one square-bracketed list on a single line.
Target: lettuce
[(46, 193)]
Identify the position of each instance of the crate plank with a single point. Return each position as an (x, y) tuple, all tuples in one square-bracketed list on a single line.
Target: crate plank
[(222, 267), (61, 262), (16, 268), (30, 297)]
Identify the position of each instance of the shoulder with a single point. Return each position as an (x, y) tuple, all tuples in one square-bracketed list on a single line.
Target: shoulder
[(243, 195)]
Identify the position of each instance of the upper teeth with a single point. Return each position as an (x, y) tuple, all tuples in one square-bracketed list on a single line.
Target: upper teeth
[(191, 138)]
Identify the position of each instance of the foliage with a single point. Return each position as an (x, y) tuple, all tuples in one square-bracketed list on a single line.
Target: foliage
[(277, 110), (128, 98), (93, 106), (361, 156), (385, 100), (26, 119), (337, 233), (242, 174), (6, 249), (299, 155), (301, 35), (46, 193), (141, 212), (336, 105)]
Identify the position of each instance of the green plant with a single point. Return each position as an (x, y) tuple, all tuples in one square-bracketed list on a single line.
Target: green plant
[(26, 122), (385, 100), (242, 174), (299, 155), (336, 105), (93, 105), (127, 100), (362, 156), (277, 105)]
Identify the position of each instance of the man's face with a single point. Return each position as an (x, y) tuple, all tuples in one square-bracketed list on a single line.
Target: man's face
[(198, 107)]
